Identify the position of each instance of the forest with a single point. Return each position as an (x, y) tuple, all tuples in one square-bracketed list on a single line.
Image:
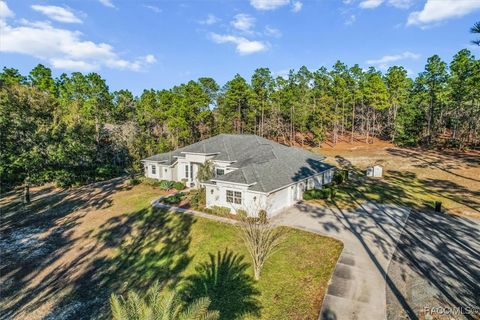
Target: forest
[(73, 130)]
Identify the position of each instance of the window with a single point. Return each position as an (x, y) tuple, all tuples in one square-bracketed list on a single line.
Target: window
[(220, 172), (234, 197), (186, 170), (154, 169)]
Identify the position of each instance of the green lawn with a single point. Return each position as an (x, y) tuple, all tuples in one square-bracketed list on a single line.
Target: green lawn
[(189, 254), (83, 244)]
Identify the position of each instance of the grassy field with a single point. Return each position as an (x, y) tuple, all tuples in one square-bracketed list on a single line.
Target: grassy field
[(411, 176), (68, 251)]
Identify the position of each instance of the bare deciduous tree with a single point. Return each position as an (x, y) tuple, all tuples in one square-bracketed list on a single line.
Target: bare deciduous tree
[(262, 240)]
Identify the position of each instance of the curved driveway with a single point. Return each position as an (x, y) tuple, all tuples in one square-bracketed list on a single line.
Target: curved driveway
[(369, 233)]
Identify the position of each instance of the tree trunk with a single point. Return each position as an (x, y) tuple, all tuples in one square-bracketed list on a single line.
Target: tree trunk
[(353, 121), (26, 192)]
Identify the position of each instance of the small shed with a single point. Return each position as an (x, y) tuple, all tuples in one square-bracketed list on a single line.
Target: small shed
[(375, 171)]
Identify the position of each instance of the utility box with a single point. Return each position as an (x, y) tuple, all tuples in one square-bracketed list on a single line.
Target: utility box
[(375, 171)]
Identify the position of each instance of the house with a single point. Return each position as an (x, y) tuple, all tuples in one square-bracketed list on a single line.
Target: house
[(250, 172)]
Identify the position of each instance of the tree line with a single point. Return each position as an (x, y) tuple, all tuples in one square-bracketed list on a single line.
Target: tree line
[(73, 129)]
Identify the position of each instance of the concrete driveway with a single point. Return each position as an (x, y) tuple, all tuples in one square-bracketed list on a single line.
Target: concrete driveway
[(369, 234), (436, 264)]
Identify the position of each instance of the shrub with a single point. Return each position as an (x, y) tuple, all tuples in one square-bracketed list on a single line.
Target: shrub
[(197, 198), (65, 179), (174, 199), (179, 185), (333, 192), (316, 194), (217, 210), (150, 181), (133, 182), (106, 172), (242, 213), (340, 176), (166, 184)]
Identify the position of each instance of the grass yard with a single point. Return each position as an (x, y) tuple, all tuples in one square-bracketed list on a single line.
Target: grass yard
[(411, 176), (64, 255)]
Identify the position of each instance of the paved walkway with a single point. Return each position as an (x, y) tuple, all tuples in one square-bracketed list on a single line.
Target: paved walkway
[(369, 233), (157, 203)]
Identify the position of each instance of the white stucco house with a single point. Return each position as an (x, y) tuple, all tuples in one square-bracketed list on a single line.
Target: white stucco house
[(250, 172)]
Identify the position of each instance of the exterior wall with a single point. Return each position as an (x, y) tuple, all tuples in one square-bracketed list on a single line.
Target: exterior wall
[(166, 173), (276, 201), (180, 166), (200, 158), (279, 200), (148, 170), (252, 202), (328, 176), (162, 172)]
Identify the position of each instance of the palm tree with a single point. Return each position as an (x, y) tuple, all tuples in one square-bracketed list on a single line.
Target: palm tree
[(205, 171), (156, 305), (476, 29)]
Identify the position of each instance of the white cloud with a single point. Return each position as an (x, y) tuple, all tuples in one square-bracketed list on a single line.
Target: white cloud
[(370, 4), (150, 58), (243, 22), (107, 3), (211, 19), (273, 32), (153, 8), (74, 65), (243, 45), (275, 4), (436, 11), (64, 49), (350, 20), (5, 12), (400, 4), (57, 13), (297, 6), (385, 61), (268, 4)]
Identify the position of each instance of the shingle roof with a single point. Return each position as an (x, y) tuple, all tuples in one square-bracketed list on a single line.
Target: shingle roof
[(265, 164)]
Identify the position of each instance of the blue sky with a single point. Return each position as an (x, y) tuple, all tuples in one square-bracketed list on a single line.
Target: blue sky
[(157, 44)]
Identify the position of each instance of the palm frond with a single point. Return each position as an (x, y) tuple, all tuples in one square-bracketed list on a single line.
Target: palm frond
[(155, 305), (475, 28)]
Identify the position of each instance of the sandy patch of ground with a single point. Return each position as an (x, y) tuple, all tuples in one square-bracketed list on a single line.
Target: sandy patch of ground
[(48, 244), (451, 176)]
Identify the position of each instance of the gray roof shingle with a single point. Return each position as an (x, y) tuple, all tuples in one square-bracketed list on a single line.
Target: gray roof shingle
[(265, 164)]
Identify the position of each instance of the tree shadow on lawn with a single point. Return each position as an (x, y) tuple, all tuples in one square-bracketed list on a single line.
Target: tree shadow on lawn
[(402, 188), (33, 237), (446, 162), (150, 245), (224, 279)]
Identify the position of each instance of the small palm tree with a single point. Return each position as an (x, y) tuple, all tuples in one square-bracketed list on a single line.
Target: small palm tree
[(476, 29), (156, 305), (205, 171)]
